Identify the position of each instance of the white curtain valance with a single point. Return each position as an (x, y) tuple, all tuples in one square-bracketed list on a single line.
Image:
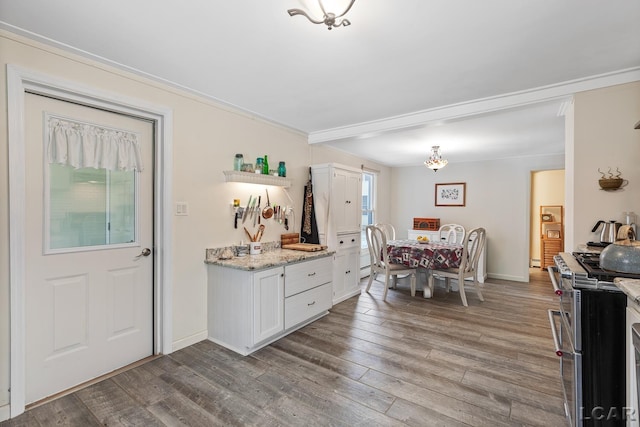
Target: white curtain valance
[(83, 145)]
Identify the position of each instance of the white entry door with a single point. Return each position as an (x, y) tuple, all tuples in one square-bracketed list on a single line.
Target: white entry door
[(88, 286)]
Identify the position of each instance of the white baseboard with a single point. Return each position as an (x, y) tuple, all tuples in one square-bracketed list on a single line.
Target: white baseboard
[(5, 412), (349, 295), (190, 340), (507, 277)]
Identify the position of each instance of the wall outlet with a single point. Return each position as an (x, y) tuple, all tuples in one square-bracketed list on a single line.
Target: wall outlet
[(182, 208)]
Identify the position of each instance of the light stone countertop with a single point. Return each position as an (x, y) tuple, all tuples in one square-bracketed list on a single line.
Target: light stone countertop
[(631, 287), (267, 259)]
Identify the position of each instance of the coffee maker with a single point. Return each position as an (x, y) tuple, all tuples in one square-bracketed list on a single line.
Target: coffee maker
[(630, 219)]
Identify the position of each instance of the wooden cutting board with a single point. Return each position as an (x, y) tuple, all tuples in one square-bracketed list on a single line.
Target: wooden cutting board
[(307, 247), (289, 238)]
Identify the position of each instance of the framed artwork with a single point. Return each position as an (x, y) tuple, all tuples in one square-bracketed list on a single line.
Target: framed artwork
[(553, 234), (451, 194)]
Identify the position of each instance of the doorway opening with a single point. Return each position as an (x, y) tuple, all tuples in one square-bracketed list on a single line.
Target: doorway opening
[(547, 189)]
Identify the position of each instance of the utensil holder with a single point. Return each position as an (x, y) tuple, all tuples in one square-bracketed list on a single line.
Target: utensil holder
[(255, 248)]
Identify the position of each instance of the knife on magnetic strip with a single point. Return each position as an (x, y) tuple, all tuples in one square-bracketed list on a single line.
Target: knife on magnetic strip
[(246, 211)]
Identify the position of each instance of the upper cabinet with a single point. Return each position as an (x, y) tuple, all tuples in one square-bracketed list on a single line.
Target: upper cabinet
[(346, 187), (337, 195)]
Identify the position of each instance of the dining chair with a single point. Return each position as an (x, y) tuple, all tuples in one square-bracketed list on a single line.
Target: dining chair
[(377, 242), (388, 230), (452, 233), (390, 233), (476, 239)]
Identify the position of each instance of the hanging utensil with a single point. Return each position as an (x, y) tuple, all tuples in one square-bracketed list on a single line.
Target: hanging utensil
[(259, 233), (248, 234), (286, 218), (252, 209), (239, 213), (246, 211), (267, 212), (256, 217)]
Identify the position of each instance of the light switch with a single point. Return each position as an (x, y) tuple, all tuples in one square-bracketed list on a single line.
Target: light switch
[(182, 208)]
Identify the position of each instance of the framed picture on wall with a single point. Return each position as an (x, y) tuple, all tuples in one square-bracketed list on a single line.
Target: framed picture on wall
[(451, 194)]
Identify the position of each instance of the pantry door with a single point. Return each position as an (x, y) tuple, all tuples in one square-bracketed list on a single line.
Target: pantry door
[(88, 253)]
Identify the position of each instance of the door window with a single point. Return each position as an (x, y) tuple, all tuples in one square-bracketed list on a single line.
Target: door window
[(89, 208)]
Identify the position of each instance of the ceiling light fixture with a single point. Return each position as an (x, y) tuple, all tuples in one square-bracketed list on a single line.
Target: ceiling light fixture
[(435, 160), (330, 19)]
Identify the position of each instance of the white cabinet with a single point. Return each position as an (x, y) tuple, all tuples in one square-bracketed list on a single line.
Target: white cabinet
[(268, 304), (245, 308), (346, 200), (306, 305), (249, 309), (337, 194), (434, 236), (346, 267)]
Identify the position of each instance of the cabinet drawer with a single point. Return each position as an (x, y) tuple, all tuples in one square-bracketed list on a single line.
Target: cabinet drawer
[(306, 275), (305, 305), (347, 241)]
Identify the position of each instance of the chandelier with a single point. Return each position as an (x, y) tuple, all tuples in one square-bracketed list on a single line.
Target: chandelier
[(435, 160), (330, 19)]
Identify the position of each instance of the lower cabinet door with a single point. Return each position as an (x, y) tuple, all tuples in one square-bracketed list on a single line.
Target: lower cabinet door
[(268, 304), (346, 274), (306, 305)]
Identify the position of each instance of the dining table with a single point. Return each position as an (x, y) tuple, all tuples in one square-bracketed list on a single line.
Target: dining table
[(426, 255)]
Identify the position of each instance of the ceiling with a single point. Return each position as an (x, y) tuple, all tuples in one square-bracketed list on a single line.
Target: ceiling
[(483, 79)]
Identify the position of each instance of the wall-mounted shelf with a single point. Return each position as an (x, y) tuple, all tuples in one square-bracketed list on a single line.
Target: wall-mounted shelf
[(256, 178)]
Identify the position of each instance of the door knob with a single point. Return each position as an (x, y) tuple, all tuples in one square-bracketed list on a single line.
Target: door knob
[(145, 252)]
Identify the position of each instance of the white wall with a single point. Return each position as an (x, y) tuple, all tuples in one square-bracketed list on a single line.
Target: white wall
[(604, 137), (497, 198), (206, 137)]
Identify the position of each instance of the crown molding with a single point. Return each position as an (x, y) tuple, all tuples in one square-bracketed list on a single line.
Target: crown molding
[(561, 92)]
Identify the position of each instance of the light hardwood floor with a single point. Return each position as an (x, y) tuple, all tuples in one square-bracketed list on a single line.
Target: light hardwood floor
[(406, 361)]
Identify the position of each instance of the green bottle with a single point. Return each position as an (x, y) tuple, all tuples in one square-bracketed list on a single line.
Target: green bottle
[(265, 166)]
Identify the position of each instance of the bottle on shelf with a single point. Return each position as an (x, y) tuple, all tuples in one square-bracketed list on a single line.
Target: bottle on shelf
[(265, 166), (238, 162), (282, 170), (259, 165)]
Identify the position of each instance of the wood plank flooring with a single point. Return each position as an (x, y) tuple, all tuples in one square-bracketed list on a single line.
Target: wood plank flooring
[(407, 361)]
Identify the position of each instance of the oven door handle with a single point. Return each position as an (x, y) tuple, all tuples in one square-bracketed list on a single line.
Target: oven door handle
[(552, 275), (554, 332)]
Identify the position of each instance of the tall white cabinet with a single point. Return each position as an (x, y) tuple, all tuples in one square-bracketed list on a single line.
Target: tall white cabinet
[(337, 194)]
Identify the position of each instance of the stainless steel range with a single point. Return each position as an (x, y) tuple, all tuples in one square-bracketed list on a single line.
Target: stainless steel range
[(589, 334)]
